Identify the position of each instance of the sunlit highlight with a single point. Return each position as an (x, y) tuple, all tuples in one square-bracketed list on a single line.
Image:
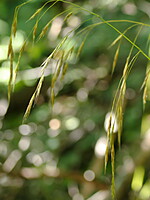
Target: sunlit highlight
[(111, 122), (100, 147), (145, 191), (138, 177)]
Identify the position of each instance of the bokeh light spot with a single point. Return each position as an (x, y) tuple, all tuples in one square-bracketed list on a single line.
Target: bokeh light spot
[(3, 107), (89, 175), (54, 124), (82, 94), (25, 129), (24, 143), (100, 147), (72, 123)]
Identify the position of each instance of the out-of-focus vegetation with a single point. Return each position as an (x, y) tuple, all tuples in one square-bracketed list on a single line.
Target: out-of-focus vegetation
[(59, 153)]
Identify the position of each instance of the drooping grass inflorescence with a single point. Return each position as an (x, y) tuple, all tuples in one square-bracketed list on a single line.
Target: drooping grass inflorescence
[(62, 63)]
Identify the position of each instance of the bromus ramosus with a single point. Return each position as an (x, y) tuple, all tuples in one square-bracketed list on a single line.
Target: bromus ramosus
[(62, 62)]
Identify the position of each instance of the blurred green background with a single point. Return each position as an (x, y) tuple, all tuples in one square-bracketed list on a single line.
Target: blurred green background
[(59, 154)]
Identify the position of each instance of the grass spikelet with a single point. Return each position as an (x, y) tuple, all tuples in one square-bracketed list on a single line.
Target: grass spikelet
[(118, 102), (120, 36), (68, 54), (34, 30), (59, 65), (28, 110), (144, 85), (113, 167), (110, 147), (10, 48), (54, 79), (52, 96), (40, 9), (10, 78), (145, 79), (71, 51), (144, 96), (18, 62), (56, 74), (80, 48), (120, 117), (58, 47), (119, 110), (14, 26), (39, 86), (33, 98), (36, 13), (67, 16), (15, 19), (129, 65), (118, 107), (44, 30), (109, 129), (58, 54), (113, 27), (115, 41), (125, 70), (106, 155), (23, 47), (85, 37), (115, 58), (65, 67), (11, 55)]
